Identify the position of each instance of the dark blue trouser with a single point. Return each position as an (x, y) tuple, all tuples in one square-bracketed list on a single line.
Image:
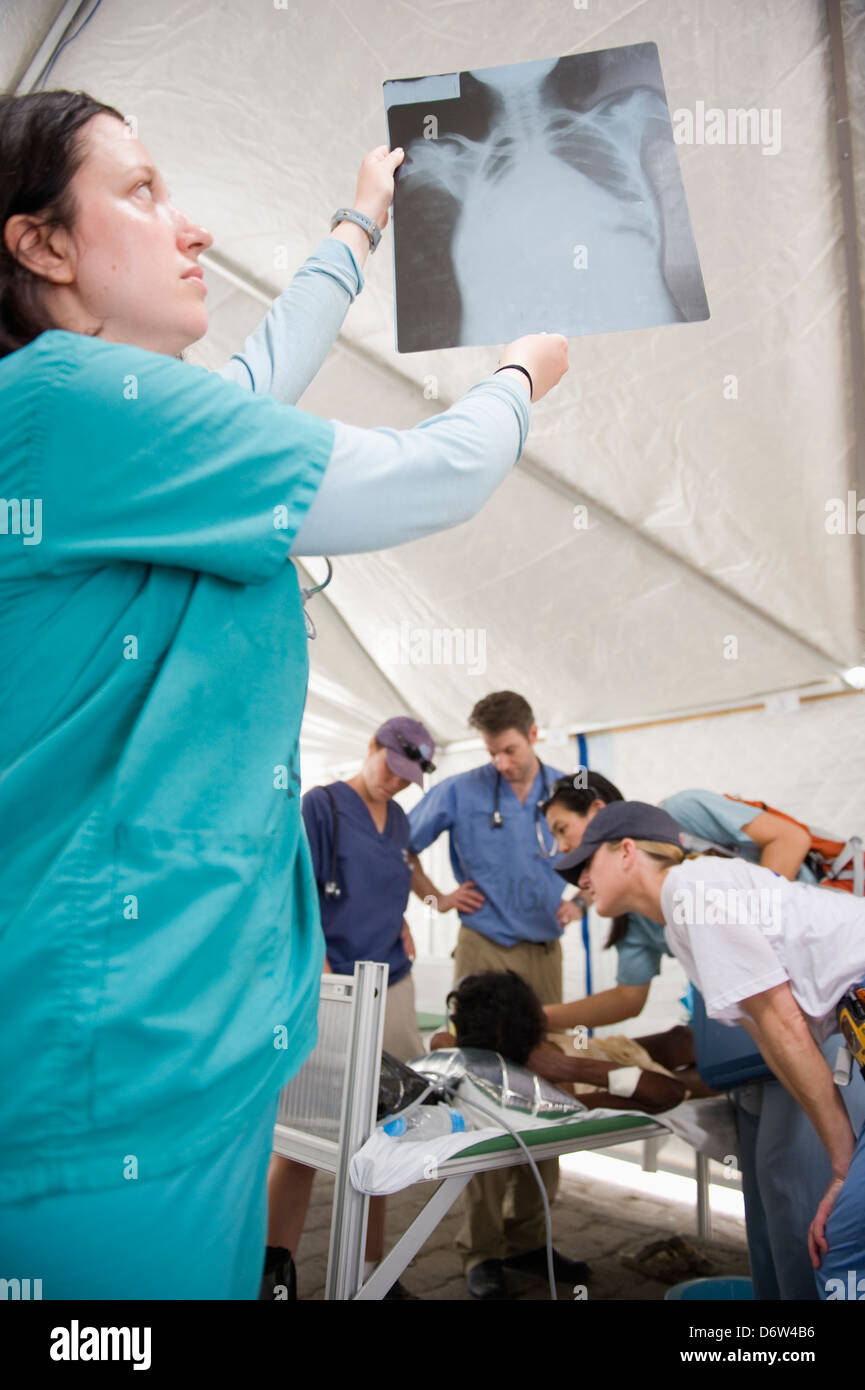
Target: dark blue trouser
[(785, 1171), (842, 1270)]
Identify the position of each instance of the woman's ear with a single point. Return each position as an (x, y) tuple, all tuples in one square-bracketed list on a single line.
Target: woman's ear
[(629, 853), (46, 251)]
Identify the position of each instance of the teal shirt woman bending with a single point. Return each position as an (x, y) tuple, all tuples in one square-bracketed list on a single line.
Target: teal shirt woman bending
[(160, 944)]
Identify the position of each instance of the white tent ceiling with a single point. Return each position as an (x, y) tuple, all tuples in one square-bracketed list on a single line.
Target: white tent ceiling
[(706, 516)]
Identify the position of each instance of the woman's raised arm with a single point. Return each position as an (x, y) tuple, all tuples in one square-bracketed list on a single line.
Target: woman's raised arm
[(284, 353)]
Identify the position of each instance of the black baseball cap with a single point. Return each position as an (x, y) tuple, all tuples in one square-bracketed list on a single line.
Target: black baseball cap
[(636, 820)]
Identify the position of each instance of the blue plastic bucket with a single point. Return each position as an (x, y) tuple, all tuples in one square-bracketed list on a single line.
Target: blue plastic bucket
[(731, 1289)]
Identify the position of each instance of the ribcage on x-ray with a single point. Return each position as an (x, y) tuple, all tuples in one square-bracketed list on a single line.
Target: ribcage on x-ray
[(498, 221)]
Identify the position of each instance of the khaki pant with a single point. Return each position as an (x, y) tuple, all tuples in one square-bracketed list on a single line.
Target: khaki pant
[(504, 1214), (401, 1037)]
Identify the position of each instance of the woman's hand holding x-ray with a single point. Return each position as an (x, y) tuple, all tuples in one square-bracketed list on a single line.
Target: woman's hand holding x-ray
[(374, 193), (544, 355)]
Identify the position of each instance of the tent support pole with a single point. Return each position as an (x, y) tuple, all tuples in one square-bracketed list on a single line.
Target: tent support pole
[(855, 331), (48, 47)]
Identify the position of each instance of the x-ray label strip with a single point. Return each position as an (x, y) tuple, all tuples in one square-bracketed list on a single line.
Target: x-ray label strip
[(443, 87)]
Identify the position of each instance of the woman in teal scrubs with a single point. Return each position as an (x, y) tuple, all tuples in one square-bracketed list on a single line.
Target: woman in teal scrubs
[(160, 944)]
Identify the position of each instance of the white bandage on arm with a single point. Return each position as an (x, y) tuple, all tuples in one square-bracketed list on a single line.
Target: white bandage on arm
[(623, 1081)]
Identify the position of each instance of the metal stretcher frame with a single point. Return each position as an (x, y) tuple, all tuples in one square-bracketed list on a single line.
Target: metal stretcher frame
[(365, 993), (499, 1153)]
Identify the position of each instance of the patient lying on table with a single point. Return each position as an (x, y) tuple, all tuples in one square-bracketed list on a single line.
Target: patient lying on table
[(500, 1012)]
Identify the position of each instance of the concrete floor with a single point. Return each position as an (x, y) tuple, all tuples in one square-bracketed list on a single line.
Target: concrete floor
[(592, 1220)]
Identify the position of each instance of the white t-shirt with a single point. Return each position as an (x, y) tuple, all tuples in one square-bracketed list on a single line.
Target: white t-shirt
[(739, 929)]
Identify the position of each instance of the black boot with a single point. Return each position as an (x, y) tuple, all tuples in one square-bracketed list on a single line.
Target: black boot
[(279, 1280)]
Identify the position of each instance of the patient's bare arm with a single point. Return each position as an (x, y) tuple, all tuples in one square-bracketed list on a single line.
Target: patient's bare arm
[(654, 1091), (550, 1062), (675, 1050), (671, 1049)]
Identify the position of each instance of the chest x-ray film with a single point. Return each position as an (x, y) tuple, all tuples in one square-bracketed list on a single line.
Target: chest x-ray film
[(540, 197)]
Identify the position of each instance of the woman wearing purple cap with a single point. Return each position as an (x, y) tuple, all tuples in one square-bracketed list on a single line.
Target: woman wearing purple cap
[(359, 840)]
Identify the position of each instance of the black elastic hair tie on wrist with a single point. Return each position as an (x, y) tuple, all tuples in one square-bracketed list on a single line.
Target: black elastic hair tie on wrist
[(515, 366)]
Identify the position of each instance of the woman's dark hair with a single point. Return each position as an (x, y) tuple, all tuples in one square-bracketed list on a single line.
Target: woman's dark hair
[(577, 794), (40, 153), (497, 1011)]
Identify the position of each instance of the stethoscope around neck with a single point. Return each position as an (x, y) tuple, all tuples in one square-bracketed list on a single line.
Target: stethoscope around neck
[(307, 593), (497, 820)]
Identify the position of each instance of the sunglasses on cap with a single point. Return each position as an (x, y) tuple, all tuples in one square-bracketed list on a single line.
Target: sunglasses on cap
[(413, 753)]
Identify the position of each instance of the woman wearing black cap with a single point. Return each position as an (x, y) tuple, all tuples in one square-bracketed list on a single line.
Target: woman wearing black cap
[(783, 1164), (779, 957)]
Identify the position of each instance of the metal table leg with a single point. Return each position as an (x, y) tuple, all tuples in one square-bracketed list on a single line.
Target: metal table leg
[(418, 1232), (704, 1211)]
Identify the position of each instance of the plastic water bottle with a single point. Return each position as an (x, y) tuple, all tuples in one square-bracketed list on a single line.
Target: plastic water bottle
[(426, 1122)]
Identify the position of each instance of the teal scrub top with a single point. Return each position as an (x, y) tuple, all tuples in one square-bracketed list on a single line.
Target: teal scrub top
[(160, 942)]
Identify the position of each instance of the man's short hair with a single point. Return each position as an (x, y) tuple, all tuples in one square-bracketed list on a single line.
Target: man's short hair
[(498, 1011), (502, 710)]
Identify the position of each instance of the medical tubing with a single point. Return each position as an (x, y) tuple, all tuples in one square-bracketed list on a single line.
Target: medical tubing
[(548, 1224), (498, 1120), (442, 1083)]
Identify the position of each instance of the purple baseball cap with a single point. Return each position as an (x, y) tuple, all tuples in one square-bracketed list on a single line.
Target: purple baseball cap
[(410, 748)]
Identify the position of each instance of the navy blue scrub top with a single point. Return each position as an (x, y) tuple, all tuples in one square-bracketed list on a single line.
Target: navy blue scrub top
[(372, 870)]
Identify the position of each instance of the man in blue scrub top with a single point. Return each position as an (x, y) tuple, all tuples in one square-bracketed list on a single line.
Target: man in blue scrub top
[(499, 851)]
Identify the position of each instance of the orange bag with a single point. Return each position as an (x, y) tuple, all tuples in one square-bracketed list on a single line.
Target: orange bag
[(836, 863)]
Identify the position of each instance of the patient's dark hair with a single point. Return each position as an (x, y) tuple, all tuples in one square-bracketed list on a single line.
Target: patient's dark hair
[(498, 1011)]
